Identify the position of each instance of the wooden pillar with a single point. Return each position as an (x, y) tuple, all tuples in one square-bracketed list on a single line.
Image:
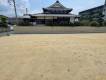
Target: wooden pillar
[(44, 19), (53, 19)]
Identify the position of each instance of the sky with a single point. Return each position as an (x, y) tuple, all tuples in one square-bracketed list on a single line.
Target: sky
[(35, 6)]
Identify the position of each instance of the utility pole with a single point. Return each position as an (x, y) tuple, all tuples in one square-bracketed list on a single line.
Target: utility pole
[(15, 9), (26, 10)]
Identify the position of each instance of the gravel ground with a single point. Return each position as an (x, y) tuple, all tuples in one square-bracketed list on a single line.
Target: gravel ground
[(53, 57)]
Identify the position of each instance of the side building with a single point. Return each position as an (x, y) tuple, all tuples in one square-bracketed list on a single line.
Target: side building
[(104, 11), (93, 14)]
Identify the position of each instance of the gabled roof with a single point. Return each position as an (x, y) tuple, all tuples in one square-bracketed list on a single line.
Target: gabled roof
[(57, 5)]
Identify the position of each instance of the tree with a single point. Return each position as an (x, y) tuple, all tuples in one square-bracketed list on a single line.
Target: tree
[(3, 21)]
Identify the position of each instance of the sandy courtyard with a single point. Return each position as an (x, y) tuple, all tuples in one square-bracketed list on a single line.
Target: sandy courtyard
[(53, 57)]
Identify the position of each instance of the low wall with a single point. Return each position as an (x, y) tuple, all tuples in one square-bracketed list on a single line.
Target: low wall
[(3, 29), (3, 32), (57, 30)]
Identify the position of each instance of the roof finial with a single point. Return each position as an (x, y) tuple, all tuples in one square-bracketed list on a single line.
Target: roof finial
[(57, 1)]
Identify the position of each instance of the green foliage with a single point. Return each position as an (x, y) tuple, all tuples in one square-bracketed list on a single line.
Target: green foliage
[(3, 21), (3, 25), (94, 23)]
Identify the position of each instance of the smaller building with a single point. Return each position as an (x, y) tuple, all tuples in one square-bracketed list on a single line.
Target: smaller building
[(20, 19)]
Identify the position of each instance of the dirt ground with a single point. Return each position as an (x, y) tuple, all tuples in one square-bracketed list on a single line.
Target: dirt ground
[(53, 57)]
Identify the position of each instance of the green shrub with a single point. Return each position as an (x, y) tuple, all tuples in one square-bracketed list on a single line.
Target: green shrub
[(94, 23), (3, 25), (3, 21)]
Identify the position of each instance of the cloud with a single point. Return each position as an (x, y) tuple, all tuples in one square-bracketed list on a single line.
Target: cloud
[(22, 5), (6, 9), (4, 2), (35, 11)]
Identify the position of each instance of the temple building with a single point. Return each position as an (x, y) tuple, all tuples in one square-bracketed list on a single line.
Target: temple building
[(55, 14)]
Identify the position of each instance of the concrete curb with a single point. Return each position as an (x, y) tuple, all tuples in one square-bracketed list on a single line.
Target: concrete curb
[(6, 33)]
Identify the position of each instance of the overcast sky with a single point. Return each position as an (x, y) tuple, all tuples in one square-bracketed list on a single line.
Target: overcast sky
[(35, 6)]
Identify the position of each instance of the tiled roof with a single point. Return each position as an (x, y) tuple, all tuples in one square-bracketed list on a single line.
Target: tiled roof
[(57, 5)]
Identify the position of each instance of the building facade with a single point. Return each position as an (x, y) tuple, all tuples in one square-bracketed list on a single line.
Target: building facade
[(104, 11), (55, 14), (94, 14)]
